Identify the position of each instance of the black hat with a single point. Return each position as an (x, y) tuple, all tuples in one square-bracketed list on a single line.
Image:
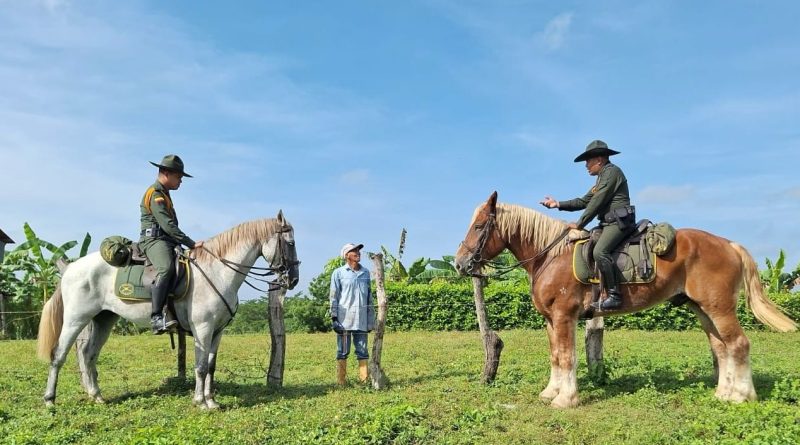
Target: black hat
[(172, 163), (596, 148)]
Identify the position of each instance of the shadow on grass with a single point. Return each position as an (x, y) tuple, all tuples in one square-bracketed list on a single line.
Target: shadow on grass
[(667, 380)]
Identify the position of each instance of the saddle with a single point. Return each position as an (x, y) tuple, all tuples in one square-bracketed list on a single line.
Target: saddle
[(633, 258), (133, 281)]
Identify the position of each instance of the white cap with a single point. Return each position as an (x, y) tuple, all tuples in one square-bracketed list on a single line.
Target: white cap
[(348, 247)]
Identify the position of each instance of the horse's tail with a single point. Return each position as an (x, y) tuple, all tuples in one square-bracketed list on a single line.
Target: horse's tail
[(764, 309), (50, 325)]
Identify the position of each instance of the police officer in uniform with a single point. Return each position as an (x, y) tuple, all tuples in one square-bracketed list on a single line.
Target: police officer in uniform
[(610, 202), (160, 234)]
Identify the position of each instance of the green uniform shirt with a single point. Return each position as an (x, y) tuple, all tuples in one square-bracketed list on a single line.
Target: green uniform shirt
[(609, 192), (157, 210)]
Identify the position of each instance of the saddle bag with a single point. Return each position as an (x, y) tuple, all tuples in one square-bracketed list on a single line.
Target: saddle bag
[(660, 238), (116, 250)]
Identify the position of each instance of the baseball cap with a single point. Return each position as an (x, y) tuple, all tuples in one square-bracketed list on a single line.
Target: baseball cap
[(348, 247)]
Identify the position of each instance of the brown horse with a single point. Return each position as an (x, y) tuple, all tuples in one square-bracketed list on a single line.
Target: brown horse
[(705, 268)]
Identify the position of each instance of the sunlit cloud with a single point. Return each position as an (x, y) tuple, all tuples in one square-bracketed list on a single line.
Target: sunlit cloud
[(556, 31)]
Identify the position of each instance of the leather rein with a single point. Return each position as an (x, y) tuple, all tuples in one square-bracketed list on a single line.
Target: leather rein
[(253, 272)]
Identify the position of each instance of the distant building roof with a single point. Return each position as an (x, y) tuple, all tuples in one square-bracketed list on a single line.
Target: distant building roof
[(5, 238)]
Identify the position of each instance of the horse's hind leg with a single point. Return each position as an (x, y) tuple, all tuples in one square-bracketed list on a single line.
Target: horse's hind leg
[(69, 332), (719, 353), (735, 375), (90, 342)]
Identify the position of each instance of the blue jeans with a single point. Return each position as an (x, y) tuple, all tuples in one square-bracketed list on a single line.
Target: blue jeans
[(343, 344)]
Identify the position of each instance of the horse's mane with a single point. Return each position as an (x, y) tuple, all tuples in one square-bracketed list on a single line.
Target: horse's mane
[(531, 226), (250, 231)]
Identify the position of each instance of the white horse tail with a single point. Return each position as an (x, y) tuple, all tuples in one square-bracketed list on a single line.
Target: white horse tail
[(50, 325), (763, 308)]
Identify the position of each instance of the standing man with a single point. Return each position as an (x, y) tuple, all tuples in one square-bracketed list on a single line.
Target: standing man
[(160, 235), (610, 202), (352, 311)]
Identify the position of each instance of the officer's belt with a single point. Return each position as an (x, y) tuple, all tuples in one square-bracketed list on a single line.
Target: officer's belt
[(152, 232)]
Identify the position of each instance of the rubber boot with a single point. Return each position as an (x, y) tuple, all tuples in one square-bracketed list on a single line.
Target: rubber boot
[(341, 372), (363, 371), (159, 297)]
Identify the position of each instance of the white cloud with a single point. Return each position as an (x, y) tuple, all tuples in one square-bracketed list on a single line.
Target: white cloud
[(355, 177), (555, 32)]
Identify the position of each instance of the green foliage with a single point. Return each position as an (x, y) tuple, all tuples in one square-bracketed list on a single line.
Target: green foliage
[(775, 279), (28, 276)]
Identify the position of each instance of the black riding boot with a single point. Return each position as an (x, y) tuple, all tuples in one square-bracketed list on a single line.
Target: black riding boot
[(613, 299), (609, 279), (159, 295)]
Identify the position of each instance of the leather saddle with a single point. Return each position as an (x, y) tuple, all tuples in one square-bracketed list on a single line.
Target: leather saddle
[(632, 257), (133, 282)]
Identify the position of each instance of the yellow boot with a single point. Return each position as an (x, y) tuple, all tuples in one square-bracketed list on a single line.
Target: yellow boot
[(341, 372), (363, 372)]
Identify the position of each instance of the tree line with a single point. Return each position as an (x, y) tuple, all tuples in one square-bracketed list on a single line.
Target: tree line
[(428, 294)]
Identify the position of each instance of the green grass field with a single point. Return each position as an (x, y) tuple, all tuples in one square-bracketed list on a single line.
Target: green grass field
[(660, 391)]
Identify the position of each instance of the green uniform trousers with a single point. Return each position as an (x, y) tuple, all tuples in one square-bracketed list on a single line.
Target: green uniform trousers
[(162, 254), (610, 238)]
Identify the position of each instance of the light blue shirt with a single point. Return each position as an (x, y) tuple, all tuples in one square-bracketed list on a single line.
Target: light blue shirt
[(351, 299)]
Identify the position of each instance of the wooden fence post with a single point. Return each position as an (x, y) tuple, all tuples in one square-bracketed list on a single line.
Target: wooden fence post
[(277, 333), (378, 377), (594, 349), (181, 354), (492, 343)]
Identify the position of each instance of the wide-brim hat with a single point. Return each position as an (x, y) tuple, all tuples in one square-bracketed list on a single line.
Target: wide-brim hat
[(173, 163), (349, 247), (596, 148)]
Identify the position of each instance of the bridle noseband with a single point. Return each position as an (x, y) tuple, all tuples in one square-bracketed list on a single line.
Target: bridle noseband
[(476, 256)]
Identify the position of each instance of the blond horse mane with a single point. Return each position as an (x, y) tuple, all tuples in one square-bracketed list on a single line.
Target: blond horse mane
[(249, 232), (531, 227)]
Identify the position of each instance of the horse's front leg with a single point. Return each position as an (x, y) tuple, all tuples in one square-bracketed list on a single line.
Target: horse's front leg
[(202, 348), (208, 393), (551, 391), (563, 337)]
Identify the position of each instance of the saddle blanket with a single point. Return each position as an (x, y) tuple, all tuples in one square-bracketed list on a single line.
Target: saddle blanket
[(134, 282), (628, 259)]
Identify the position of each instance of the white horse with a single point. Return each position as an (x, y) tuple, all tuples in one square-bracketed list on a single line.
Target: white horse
[(86, 296)]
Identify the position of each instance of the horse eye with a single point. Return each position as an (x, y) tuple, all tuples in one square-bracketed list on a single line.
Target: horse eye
[(478, 226)]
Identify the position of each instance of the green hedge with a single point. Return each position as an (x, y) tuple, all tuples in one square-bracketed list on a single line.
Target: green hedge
[(450, 306)]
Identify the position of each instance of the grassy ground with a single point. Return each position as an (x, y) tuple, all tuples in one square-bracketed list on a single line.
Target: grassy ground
[(659, 391)]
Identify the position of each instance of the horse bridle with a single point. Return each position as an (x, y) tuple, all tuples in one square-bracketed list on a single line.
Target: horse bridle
[(477, 253), (476, 256)]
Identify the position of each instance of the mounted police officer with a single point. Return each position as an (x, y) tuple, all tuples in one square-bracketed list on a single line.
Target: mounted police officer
[(160, 235), (610, 202)]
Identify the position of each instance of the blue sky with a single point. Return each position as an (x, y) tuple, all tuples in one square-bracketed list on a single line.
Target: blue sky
[(361, 118)]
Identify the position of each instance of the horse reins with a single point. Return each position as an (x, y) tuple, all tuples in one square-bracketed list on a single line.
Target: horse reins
[(251, 272)]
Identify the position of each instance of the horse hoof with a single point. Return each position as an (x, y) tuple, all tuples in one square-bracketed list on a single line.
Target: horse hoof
[(548, 395), (49, 404), (562, 402), (99, 400), (212, 405)]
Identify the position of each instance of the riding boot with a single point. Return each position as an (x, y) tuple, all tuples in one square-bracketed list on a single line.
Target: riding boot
[(159, 295), (610, 282), (341, 372), (363, 372), (613, 299)]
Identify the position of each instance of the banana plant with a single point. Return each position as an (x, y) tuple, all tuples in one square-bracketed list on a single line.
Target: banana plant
[(774, 278)]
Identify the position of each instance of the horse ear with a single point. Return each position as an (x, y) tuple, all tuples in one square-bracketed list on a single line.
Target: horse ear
[(281, 219), (492, 202)]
